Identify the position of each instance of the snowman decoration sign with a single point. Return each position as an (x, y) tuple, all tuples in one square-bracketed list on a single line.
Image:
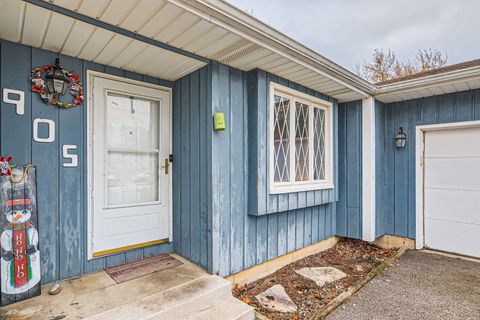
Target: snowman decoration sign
[(20, 255), (20, 262)]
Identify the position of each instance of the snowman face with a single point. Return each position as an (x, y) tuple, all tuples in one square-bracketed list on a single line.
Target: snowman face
[(18, 216)]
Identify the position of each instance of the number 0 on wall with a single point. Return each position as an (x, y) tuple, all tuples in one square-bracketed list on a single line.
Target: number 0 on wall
[(51, 130)]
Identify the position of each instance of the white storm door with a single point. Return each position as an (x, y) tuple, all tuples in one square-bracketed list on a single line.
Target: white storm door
[(452, 190), (131, 185)]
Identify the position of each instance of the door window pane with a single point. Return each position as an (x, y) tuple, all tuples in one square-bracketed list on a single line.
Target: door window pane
[(132, 122), (281, 139), (301, 142), (132, 177), (132, 155)]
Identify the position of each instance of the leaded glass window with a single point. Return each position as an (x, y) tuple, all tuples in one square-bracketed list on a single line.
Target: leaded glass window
[(301, 142), (282, 139), (318, 144)]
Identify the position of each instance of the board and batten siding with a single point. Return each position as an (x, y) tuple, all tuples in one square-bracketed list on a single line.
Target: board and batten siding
[(192, 163), (61, 192), (241, 237), (395, 177), (349, 205), (260, 202)]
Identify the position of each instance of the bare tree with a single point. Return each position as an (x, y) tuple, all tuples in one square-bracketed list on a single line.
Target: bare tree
[(385, 66), (431, 59)]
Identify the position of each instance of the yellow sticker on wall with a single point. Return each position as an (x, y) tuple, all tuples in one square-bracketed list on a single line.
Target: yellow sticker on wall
[(218, 121)]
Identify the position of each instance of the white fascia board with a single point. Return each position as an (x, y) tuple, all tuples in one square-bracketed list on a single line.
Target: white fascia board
[(368, 169), (388, 91), (236, 21)]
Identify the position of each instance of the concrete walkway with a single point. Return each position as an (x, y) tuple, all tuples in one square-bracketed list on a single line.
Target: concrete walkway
[(182, 292), (420, 286)]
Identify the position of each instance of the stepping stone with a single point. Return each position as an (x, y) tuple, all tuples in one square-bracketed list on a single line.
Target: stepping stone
[(321, 275), (276, 299)]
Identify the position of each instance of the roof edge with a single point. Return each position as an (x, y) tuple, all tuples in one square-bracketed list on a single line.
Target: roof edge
[(429, 80), (225, 13)]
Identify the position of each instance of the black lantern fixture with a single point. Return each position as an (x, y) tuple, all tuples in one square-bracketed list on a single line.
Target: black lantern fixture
[(400, 138), (57, 82)]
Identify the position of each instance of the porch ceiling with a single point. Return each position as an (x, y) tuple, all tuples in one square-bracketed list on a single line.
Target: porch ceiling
[(209, 29)]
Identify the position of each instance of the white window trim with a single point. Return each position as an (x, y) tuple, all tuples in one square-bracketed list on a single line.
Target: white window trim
[(313, 102)]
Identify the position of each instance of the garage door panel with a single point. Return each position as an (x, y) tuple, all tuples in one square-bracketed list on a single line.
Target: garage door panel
[(453, 142), (452, 173), (452, 191), (455, 205), (451, 236)]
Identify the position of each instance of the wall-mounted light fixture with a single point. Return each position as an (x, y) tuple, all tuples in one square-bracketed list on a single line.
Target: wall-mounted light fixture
[(56, 80), (400, 138)]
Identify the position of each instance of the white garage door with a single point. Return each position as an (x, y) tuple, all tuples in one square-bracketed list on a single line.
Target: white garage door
[(452, 191)]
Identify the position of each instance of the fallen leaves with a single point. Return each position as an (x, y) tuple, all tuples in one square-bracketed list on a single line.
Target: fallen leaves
[(354, 257)]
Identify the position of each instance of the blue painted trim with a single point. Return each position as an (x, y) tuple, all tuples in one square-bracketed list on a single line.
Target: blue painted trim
[(107, 26), (349, 205)]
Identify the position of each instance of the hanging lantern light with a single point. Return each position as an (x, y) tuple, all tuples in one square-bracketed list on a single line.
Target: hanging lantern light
[(57, 82), (400, 138)]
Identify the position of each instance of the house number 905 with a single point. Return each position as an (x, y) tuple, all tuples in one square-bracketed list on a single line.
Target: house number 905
[(50, 126)]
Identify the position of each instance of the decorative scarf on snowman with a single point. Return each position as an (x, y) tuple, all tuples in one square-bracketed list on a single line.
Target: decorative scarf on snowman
[(20, 260)]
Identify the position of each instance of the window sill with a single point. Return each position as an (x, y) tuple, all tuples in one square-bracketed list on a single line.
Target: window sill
[(300, 188)]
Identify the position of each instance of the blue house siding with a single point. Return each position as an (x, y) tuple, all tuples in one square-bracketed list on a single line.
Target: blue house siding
[(62, 192), (242, 240), (395, 205), (349, 206), (260, 202), (192, 130)]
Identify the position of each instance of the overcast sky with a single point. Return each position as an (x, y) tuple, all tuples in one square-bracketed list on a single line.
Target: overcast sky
[(348, 31)]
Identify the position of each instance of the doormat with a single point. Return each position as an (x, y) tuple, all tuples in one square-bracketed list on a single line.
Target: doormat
[(140, 268)]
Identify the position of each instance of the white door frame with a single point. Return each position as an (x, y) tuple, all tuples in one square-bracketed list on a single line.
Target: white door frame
[(420, 172), (90, 76)]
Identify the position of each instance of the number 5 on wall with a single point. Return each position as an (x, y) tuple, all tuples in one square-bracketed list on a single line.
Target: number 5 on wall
[(73, 157)]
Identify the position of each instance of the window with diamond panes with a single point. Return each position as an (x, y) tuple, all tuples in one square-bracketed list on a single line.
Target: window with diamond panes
[(301, 156), (318, 144), (282, 139), (301, 142)]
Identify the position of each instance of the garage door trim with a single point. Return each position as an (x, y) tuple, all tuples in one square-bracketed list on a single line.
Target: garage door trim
[(420, 172)]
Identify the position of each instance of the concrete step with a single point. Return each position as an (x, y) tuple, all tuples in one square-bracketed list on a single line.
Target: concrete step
[(178, 302), (230, 308)]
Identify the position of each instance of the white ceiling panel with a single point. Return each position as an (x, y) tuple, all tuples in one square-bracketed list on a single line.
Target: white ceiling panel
[(33, 33), (11, 20), (114, 47), (115, 14), (178, 27), (144, 58), (95, 44), (198, 30), (142, 13), (251, 57), (133, 49), (161, 20), (79, 36), (94, 8), (218, 47), (206, 40), (57, 32), (68, 4)]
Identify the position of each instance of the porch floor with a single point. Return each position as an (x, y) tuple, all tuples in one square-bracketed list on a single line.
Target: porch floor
[(97, 296)]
